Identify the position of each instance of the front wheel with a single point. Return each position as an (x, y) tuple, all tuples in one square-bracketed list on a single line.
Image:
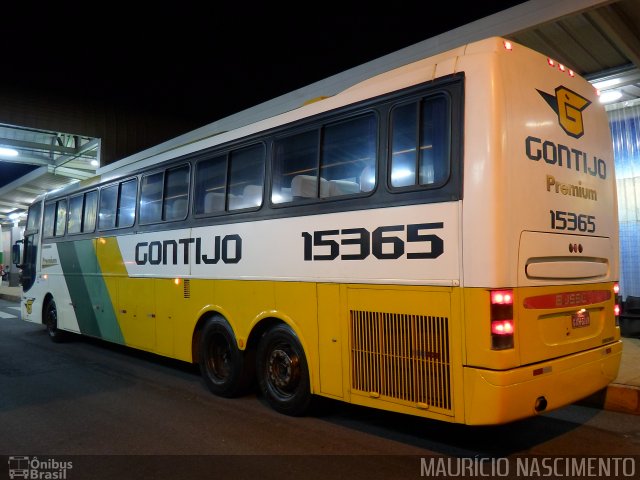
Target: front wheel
[(283, 374), (223, 366), (51, 322)]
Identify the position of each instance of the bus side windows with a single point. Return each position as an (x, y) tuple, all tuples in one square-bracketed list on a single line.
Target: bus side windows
[(176, 194), (165, 195), (55, 218), (117, 205), (151, 198), (49, 219), (90, 211), (82, 213), (345, 157), (232, 181), (420, 143), (75, 214), (33, 219)]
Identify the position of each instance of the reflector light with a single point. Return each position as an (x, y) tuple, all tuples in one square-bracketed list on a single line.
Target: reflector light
[(508, 45), (502, 297), (502, 327)]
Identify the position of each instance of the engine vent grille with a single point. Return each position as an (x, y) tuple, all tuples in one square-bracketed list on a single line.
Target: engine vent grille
[(402, 357), (187, 288)]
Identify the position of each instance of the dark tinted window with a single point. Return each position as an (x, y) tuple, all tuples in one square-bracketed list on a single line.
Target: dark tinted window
[(90, 211), (61, 217), (233, 181), (343, 152), (33, 219), (420, 144), (117, 205), (176, 193), (75, 214), (49, 219), (108, 206)]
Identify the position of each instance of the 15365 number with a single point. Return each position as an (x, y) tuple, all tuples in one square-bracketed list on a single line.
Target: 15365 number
[(384, 243), (572, 222)]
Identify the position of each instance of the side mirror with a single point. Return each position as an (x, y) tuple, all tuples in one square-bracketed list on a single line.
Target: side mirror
[(15, 254)]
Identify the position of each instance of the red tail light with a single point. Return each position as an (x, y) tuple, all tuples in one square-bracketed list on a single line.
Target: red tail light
[(502, 326), (616, 302)]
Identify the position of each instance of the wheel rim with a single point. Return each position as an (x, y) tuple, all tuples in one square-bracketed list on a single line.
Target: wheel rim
[(219, 359), (283, 370)]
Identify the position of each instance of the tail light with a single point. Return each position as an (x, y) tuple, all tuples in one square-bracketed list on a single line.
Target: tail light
[(616, 302), (502, 326)]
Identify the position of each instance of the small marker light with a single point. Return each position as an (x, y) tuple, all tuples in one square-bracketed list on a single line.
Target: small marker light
[(508, 45)]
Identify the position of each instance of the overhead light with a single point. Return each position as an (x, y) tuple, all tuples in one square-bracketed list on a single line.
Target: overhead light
[(8, 152), (95, 163), (610, 96), (607, 83)]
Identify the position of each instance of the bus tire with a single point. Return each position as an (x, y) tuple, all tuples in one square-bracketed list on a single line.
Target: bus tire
[(223, 365), (50, 321), (283, 374)]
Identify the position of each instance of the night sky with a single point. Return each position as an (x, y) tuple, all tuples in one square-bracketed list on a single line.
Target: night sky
[(206, 62)]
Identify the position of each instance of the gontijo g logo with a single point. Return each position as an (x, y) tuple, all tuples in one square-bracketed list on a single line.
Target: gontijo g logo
[(568, 105)]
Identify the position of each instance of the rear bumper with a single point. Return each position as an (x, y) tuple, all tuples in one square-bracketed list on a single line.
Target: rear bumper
[(493, 397)]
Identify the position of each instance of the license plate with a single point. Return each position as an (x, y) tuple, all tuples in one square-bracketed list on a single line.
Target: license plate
[(580, 319)]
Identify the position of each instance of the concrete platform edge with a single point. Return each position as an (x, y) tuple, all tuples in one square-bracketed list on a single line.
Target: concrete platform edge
[(10, 297)]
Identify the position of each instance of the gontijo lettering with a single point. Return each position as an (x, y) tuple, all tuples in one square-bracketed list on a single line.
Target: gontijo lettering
[(227, 248), (562, 155)]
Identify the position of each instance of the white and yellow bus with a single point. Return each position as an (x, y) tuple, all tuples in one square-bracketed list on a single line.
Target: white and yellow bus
[(439, 240)]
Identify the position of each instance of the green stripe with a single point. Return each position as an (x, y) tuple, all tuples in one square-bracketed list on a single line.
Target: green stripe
[(89, 294)]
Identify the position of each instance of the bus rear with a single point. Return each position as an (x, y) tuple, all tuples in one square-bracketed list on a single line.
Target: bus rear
[(540, 236)]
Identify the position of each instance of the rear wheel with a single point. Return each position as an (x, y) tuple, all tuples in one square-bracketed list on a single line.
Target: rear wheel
[(224, 367), (283, 374), (51, 322)]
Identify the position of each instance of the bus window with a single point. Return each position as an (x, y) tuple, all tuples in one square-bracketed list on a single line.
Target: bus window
[(118, 205), (61, 218), (296, 168), (33, 220), (420, 143), (108, 204), (211, 185), (151, 198), (75, 214), (176, 198), (346, 162), (246, 177), (49, 219), (348, 157), (127, 203), (90, 211)]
